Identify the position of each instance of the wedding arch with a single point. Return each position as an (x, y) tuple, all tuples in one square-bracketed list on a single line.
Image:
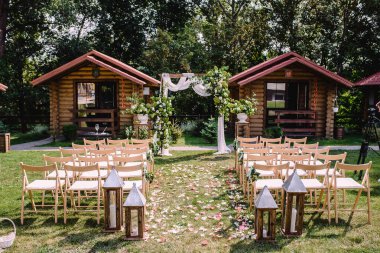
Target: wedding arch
[(187, 80)]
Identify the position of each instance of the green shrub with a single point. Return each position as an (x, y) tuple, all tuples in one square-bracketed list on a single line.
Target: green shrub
[(210, 130), (127, 132), (143, 133), (3, 127), (40, 129), (273, 132), (175, 132), (70, 132)]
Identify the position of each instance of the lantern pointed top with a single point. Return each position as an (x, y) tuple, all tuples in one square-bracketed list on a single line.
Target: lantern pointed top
[(294, 184), (113, 180), (135, 197), (265, 200)]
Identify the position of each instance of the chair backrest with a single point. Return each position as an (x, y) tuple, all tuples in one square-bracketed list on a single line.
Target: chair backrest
[(59, 161), (331, 158), (312, 168), (117, 142), (271, 167), (137, 141), (93, 142), (102, 152), (270, 140), (288, 151), (258, 151), (301, 145), (130, 168), (87, 161), (314, 151), (295, 140), (79, 146), (354, 167), (133, 152), (245, 145), (269, 159), (120, 160), (275, 145), (31, 168), (72, 152), (247, 140), (296, 158)]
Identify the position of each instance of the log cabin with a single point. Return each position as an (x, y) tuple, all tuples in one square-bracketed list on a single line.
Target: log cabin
[(293, 93), (92, 89), (371, 91)]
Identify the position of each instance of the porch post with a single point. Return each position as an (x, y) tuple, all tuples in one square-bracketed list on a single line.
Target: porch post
[(329, 112)]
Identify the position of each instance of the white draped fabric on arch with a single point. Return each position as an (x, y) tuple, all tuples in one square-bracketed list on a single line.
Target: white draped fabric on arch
[(185, 81)]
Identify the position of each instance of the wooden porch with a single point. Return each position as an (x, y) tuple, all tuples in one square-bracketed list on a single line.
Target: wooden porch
[(297, 122)]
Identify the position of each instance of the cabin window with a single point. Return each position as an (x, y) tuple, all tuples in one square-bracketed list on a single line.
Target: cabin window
[(99, 95), (285, 96)]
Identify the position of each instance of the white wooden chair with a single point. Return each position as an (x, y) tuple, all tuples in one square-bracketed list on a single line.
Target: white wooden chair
[(312, 184), (275, 183), (82, 186), (348, 183), (40, 185)]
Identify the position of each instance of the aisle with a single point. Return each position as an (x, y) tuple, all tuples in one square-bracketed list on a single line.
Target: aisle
[(196, 203)]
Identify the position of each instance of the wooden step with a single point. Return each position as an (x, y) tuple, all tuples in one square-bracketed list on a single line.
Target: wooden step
[(311, 121), (298, 130)]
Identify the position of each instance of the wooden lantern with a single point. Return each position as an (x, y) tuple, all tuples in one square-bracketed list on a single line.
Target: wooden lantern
[(113, 211), (265, 203), (293, 199), (134, 215)]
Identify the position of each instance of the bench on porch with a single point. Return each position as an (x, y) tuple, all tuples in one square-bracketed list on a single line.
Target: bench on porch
[(297, 122), (108, 116)]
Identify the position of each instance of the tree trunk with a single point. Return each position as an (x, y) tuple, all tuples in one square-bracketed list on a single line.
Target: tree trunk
[(3, 24)]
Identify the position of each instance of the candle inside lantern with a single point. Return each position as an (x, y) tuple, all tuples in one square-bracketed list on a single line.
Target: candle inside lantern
[(293, 221), (112, 207), (134, 223), (265, 233)]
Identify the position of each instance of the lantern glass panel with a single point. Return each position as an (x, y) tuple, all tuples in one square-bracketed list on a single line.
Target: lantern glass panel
[(112, 209), (134, 222)]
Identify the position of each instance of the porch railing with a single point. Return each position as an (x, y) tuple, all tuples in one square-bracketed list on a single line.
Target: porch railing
[(297, 122), (110, 119)]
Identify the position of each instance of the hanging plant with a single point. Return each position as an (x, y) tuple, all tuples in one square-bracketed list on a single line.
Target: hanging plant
[(216, 81), (160, 111)]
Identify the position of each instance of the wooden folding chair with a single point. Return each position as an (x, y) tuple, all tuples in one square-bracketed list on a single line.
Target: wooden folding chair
[(102, 161), (75, 153), (55, 186), (110, 151), (93, 142), (133, 170), (85, 147), (347, 183), (275, 145), (82, 185), (60, 162), (252, 159), (265, 141), (243, 142), (294, 159), (129, 161), (137, 141), (292, 141), (247, 140), (275, 183), (314, 151), (121, 142), (312, 184), (332, 159)]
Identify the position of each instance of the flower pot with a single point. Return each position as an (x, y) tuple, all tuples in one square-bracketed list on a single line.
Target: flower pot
[(335, 109), (143, 118), (339, 133), (242, 117)]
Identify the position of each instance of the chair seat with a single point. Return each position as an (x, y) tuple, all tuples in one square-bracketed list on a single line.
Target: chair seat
[(266, 173), (322, 173), (94, 174), (300, 173), (312, 184), (61, 174), (129, 174), (128, 184), (84, 186), (43, 185), (273, 184), (347, 183)]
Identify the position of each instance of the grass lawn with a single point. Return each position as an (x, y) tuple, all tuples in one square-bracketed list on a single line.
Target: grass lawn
[(191, 203)]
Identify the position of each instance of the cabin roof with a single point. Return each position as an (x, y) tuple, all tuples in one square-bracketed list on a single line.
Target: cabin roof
[(101, 60), (3, 87), (371, 80), (284, 60)]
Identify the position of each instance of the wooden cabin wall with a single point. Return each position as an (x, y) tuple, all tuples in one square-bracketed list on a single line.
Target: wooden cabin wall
[(324, 99), (63, 100)]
